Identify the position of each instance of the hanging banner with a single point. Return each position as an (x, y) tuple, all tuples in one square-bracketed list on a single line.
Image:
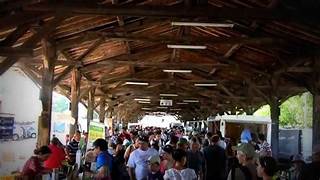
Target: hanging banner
[(96, 131)]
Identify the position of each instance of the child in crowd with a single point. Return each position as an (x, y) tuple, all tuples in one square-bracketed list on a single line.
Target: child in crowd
[(180, 172), (154, 168)]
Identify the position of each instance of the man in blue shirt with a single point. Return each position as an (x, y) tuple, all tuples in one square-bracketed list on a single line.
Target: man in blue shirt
[(104, 159)]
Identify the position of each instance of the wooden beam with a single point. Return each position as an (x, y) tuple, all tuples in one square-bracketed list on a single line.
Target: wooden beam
[(180, 12), (102, 112), (43, 32), (44, 126), (90, 110), (21, 18), (75, 93), (275, 113), (62, 75), (15, 35), (16, 52), (161, 64), (188, 39)]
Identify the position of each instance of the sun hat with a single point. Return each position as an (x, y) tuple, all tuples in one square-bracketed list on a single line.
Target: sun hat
[(247, 149), (154, 159)]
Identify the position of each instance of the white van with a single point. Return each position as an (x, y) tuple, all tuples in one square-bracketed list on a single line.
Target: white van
[(233, 125)]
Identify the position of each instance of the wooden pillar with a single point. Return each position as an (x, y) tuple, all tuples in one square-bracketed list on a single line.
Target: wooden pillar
[(315, 90), (316, 120), (275, 113), (110, 118), (44, 123), (75, 93), (102, 112), (90, 106)]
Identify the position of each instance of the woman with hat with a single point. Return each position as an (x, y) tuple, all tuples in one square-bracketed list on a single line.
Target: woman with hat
[(247, 168)]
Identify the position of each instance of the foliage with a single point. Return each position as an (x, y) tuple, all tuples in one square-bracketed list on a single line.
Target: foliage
[(294, 112)]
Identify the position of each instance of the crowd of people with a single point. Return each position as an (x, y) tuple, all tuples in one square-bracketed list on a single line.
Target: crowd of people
[(160, 154)]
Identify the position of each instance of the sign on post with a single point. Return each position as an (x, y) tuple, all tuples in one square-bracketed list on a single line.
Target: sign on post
[(96, 131)]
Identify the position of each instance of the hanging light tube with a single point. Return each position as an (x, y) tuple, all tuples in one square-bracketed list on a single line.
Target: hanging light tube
[(144, 102), (141, 99), (220, 25), (169, 95), (191, 101), (137, 83), (206, 84), (176, 46), (177, 71)]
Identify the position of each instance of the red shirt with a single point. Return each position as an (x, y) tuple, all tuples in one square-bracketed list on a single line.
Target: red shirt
[(56, 157), (32, 168)]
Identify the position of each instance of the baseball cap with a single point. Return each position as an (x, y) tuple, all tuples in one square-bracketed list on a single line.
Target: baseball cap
[(247, 149), (183, 141), (154, 159), (168, 149)]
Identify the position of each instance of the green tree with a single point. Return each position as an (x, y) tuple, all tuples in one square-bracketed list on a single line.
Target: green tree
[(294, 112)]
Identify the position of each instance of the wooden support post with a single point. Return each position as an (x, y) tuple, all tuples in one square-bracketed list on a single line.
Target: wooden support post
[(316, 120), (110, 119), (90, 106), (275, 113), (44, 124), (102, 113), (316, 104), (75, 93)]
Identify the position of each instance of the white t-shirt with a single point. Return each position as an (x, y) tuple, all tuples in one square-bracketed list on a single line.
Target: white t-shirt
[(184, 174), (138, 161)]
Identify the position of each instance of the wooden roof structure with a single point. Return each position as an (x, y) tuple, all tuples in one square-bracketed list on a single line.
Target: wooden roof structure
[(267, 49)]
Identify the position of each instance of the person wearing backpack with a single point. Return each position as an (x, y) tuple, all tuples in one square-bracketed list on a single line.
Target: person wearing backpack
[(246, 170)]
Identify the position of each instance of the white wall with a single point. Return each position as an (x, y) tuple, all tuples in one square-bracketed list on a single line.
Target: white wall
[(19, 96)]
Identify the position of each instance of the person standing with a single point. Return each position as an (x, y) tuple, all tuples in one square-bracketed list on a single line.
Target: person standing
[(57, 155), (180, 172), (195, 158), (247, 168), (265, 148), (73, 147), (137, 163), (267, 168), (103, 160), (168, 161), (33, 168), (215, 158)]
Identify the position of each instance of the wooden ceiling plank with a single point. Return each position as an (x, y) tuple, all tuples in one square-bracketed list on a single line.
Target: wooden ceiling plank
[(15, 35), (46, 30), (185, 12), (16, 52)]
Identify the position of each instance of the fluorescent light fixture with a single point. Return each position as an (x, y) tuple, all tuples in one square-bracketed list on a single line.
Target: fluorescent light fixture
[(144, 102), (169, 95), (221, 25), (182, 103), (175, 109), (137, 83), (176, 46), (177, 71), (147, 109), (190, 101), (161, 107), (206, 84), (141, 99)]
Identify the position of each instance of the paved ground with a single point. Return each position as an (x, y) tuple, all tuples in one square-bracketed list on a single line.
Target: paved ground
[(13, 154)]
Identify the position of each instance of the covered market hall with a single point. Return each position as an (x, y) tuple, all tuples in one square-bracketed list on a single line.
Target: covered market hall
[(194, 59)]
